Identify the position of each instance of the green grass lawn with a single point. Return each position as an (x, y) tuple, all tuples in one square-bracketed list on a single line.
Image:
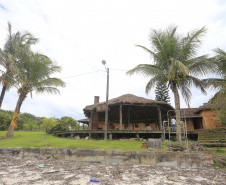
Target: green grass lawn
[(217, 150), (35, 139)]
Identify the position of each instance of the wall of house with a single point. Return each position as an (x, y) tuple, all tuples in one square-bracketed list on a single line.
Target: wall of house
[(189, 124), (115, 126), (209, 120), (95, 124), (101, 126)]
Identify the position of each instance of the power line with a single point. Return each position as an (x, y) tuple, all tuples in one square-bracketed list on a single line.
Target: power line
[(92, 72), (119, 69), (83, 74)]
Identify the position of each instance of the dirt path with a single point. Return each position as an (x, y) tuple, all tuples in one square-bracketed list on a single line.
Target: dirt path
[(26, 171)]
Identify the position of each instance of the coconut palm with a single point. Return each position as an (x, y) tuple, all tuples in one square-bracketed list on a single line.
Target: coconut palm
[(8, 53), (33, 75), (176, 63), (218, 83)]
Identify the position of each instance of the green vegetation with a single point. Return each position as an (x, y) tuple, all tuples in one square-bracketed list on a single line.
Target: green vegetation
[(29, 122), (219, 155), (48, 123), (219, 99), (162, 92), (217, 150), (26, 70), (175, 62), (35, 139)]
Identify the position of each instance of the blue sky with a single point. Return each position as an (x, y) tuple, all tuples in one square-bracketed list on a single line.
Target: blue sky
[(79, 34)]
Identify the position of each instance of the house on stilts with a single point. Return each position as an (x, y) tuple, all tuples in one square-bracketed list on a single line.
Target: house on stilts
[(127, 112)]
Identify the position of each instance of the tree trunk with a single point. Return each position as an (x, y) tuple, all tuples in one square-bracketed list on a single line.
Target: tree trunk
[(45, 134), (3, 93), (177, 107), (16, 113)]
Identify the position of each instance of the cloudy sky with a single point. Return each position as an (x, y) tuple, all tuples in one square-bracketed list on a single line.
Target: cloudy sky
[(79, 34)]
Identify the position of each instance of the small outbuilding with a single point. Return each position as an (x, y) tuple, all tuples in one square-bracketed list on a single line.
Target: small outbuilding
[(193, 121), (204, 117), (209, 117)]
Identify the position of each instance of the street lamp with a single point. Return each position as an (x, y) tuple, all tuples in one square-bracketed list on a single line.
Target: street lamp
[(106, 110)]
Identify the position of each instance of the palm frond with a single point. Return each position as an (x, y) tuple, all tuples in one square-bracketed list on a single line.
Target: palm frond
[(148, 50), (145, 70), (197, 83), (220, 59), (191, 43), (221, 52), (157, 41), (172, 32), (28, 39), (214, 83), (49, 90), (185, 91), (151, 84), (201, 65), (50, 82)]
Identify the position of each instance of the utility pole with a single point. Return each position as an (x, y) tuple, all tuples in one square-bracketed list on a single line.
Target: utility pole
[(106, 110)]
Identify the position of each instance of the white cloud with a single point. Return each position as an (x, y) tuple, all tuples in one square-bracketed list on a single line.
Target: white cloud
[(80, 34)]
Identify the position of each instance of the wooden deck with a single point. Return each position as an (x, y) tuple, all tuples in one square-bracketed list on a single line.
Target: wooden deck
[(120, 133)]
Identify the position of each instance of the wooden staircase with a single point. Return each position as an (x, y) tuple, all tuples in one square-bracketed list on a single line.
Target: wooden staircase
[(214, 137)]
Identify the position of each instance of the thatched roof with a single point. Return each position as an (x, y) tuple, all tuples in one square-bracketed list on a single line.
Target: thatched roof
[(212, 105), (189, 113), (127, 100), (85, 121)]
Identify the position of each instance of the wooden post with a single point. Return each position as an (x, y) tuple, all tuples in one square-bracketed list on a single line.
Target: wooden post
[(83, 126), (110, 136), (129, 118), (91, 120), (120, 117), (160, 119), (90, 135), (78, 125)]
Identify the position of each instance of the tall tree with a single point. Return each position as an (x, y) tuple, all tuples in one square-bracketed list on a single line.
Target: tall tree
[(69, 121), (162, 92), (219, 83), (33, 75), (176, 63), (8, 53), (49, 123)]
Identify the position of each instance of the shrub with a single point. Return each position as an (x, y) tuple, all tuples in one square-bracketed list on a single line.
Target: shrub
[(57, 128)]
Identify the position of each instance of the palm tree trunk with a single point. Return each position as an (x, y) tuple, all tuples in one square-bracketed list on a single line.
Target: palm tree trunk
[(177, 107), (16, 113), (2, 94)]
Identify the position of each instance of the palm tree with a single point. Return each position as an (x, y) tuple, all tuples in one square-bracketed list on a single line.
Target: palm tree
[(33, 75), (8, 53), (218, 83), (49, 123), (176, 63)]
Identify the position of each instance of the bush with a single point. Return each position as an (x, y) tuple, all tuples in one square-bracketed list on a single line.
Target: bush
[(3, 127), (57, 128)]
